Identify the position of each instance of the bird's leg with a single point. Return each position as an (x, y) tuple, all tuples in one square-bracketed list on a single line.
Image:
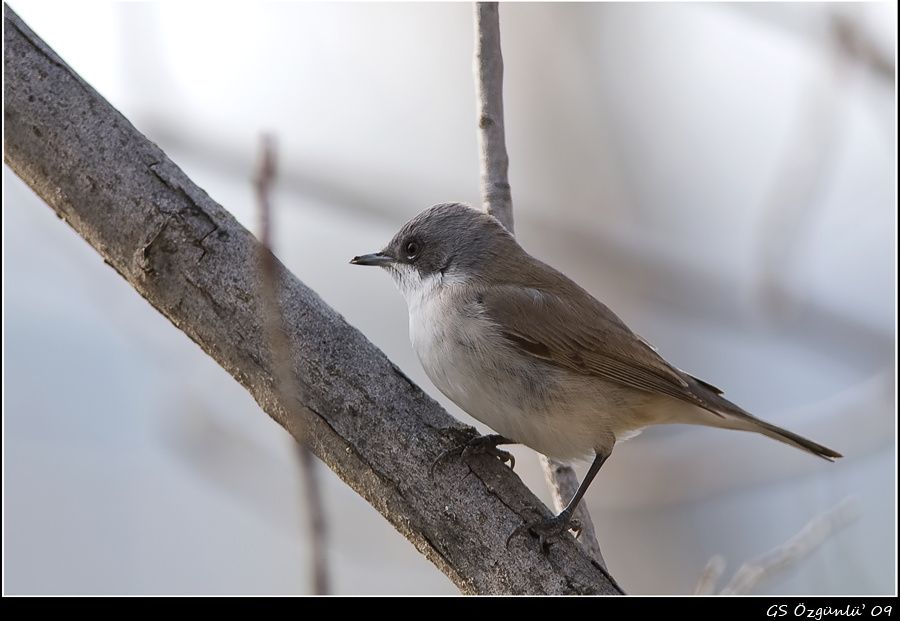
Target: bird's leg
[(482, 445), (546, 529)]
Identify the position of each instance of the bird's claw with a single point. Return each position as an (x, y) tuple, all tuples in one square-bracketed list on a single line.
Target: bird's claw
[(482, 445), (546, 530)]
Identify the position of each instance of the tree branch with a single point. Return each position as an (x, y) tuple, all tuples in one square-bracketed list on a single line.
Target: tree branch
[(497, 200), (275, 328), (792, 551), (563, 483), (706, 584), (752, 573), (197, 265), (496, 197)]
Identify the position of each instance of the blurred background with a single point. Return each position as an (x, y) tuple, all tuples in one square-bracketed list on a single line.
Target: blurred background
[(721, 175)]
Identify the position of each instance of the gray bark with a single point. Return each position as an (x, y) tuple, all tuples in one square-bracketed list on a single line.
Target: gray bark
[(197, 265)]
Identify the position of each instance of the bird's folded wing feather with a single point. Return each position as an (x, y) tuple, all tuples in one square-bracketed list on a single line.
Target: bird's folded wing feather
[(585, 337)]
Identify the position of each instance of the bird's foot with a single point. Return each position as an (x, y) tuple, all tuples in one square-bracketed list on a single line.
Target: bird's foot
[(482, 445), (547, 529)]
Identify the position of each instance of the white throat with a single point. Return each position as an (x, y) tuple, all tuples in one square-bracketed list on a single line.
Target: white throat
[(418, 290)]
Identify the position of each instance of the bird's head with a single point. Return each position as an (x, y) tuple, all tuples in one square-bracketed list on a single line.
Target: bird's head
[(445, 244)]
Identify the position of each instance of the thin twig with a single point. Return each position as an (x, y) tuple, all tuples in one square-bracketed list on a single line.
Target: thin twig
[(496, 200), (715, 567), (496, 197), (284, 378), (563, 483), (795, 549)]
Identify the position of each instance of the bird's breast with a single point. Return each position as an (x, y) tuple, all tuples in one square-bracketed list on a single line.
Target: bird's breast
[(465, 357), (458, 349), (447, 340)]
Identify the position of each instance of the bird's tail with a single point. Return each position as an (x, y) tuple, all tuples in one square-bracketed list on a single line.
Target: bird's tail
[(744, 421), (720, 412), (789, 437)]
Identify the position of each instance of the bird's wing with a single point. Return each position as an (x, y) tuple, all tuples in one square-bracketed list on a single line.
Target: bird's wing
[(585, 337)]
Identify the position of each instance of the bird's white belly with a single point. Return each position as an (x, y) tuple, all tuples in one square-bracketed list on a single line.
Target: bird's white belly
[(464, 357), (449, 349)]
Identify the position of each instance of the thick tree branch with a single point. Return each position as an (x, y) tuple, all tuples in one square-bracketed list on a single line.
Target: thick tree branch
[(197, 265), (497, 200)]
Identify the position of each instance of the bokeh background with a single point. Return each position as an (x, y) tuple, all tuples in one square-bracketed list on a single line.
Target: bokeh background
[(721, 175)]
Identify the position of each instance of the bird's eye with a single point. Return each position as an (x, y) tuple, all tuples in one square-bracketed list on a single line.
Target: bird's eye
[(412, 250)]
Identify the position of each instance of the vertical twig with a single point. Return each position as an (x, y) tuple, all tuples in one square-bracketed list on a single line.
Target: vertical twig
[(563, 484), (496, 197), (284, 378), (497, 200)]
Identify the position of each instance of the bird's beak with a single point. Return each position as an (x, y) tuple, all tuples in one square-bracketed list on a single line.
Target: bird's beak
[(376, 258)]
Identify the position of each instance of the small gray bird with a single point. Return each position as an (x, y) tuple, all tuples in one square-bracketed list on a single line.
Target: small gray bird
[(528, 352)]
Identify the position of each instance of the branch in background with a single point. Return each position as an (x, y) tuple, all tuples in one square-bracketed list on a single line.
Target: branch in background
[(752, 573), (196, 264), (795, 549), (806, 166), (794, 196), (276, 330), (709, 579), (496, 199), (857, 44), (563, 483)]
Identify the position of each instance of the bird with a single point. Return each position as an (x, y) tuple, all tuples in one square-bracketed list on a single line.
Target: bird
[(538, 359)]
